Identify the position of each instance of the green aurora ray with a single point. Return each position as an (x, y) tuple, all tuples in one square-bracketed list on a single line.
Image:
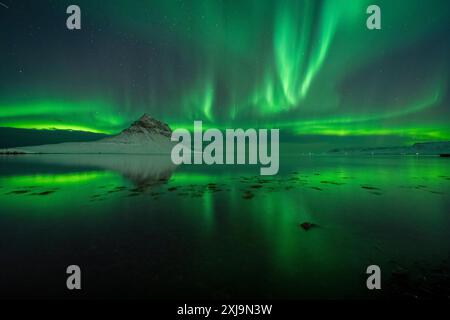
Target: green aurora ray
[(310, 68)]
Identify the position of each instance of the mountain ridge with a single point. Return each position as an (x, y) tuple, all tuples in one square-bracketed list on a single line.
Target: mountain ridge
[(424, 148), (144, 136)]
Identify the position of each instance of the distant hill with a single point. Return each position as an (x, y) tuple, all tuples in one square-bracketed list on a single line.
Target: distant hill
[(12, 137), (422, 148)]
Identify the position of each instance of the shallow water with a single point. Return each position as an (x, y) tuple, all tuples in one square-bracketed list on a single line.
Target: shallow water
[(140, 227)]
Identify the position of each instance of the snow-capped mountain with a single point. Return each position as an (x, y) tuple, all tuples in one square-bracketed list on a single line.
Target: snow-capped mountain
[(146, 128), (145, 136)]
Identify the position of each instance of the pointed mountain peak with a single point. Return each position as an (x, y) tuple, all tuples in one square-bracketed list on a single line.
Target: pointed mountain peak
[(148, 124), (146, 118)]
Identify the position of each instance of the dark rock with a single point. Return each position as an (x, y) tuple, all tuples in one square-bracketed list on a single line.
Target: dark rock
[(43, 193), (307, 225), (248, 195), (19, 191), (369, 187)]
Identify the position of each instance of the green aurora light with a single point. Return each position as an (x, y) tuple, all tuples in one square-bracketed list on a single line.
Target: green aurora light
[(307, 67)]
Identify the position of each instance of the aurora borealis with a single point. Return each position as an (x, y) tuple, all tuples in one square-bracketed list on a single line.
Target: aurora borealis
[(310, 68)]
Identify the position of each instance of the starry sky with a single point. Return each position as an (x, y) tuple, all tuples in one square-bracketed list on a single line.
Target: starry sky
[(310, 68)]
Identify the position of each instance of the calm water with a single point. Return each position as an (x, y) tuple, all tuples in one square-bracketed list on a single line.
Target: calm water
[(139, 227)]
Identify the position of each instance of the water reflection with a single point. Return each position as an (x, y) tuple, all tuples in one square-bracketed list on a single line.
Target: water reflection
[(224, 230), (141, 170)]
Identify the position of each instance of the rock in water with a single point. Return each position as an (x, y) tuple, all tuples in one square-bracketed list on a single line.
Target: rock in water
[(307, 225)]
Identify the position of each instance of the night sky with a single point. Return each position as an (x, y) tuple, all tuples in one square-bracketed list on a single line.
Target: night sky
[(310, 68)]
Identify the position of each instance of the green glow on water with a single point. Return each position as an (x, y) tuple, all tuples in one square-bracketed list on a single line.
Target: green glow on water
[(367, 209), (55, 179), (53, 194)]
